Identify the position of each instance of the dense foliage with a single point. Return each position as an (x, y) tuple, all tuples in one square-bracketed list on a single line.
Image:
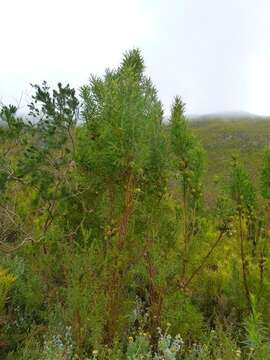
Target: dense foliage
[(107, 248)]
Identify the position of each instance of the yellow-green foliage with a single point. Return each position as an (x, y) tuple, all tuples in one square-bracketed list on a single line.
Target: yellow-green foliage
[(6, 281)]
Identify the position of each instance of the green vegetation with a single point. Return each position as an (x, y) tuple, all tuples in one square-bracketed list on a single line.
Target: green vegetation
[(109, 248), (222, 139)]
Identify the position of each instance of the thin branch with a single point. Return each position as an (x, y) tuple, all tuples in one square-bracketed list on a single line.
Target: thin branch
[(204, 260)]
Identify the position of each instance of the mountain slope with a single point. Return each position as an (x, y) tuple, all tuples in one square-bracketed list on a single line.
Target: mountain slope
[(245, 138)]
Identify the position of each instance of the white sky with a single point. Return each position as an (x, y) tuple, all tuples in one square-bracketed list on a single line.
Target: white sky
[(213, 53)]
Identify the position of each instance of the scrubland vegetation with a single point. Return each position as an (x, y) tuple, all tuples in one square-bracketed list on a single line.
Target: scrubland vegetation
[(245, 138), (109, 246)]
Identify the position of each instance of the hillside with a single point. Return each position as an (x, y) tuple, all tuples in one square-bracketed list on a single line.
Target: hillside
[(222, 138)]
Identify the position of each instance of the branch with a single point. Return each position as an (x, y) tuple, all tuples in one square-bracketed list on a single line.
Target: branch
[(204, 260)]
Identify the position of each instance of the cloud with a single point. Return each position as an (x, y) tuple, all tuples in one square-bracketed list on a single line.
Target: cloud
[(210, 52)]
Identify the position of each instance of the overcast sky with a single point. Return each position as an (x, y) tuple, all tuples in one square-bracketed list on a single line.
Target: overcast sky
[(215, 54)]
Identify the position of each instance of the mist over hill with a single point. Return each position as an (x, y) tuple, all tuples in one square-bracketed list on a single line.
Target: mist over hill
[(227, 116)]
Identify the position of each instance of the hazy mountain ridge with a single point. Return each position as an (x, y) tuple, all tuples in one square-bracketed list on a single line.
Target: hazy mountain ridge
[(227, 115)]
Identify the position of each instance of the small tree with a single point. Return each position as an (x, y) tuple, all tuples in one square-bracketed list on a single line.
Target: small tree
[(189, 163), (243, 194)]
